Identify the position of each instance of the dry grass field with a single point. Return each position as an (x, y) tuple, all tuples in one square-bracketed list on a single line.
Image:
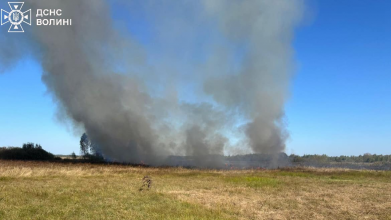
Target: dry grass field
[(38, 190)]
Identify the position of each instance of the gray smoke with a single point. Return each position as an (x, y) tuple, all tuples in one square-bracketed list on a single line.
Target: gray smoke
[(213, 79)]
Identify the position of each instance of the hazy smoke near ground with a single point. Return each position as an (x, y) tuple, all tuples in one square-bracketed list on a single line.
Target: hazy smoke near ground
[(213, 77)]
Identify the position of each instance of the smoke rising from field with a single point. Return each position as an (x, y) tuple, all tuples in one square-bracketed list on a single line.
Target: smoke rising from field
[(206, 77)]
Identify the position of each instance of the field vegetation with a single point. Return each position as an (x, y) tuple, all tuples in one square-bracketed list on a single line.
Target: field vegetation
[(46, 190)]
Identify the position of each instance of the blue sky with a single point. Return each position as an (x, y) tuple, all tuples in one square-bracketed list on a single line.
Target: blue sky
[(341, 96), (341, 93)]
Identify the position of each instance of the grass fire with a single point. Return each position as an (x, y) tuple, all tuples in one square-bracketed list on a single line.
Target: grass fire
[(195, 109)]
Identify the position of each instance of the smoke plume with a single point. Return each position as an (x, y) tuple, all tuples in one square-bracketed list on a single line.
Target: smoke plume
[(205, 78)]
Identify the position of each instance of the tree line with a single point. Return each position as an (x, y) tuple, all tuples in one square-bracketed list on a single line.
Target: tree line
[(366, 158), (90, 152), (29, 151)]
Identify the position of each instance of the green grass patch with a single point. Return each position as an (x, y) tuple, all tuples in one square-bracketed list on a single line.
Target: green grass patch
[(295, 174), (254, 181), (354, 175), (80, 198), (194, 174), (3, 178)]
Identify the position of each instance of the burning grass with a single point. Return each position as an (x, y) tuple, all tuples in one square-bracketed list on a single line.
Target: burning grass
[(37, 190)]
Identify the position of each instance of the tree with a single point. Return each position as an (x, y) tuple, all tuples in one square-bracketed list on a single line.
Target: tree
[(90, 150), (28, 146), (85, 145), (38, 146), (73, 156)]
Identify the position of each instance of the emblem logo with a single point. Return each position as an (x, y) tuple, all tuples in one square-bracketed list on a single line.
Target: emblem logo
[(16, 17)]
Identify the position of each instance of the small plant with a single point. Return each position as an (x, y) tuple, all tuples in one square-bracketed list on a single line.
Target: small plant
[(73, 156), (147, 183)]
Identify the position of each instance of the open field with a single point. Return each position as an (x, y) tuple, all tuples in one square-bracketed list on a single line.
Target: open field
[(38, 190)]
